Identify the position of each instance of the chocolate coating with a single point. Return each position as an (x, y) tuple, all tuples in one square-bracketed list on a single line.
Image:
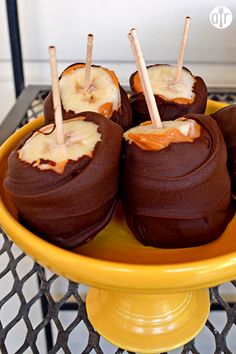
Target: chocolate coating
[(179, 196), (69, 209), (123, 116), (168, 110), (226, 119)]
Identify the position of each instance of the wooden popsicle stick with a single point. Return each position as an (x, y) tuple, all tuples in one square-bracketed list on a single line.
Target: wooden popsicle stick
[(56, 95), (182, 49), (88, 62), (145, 81), (132, 47)]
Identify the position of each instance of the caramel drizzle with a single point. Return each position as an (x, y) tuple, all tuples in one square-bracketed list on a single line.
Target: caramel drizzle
[(58, 167), (151, 141)]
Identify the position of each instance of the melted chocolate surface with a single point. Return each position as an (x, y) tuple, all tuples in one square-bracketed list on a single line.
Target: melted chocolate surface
[(226, 119)]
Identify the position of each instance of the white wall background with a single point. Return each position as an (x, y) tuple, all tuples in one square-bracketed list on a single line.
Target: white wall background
[(210, 53)]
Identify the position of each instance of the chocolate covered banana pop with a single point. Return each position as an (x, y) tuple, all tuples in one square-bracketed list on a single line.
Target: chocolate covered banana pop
[(177, 91), (86, 87), (64, 181), (176, 184)]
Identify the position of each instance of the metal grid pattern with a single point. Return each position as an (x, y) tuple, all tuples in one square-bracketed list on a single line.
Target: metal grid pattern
[(18, 270), (35, 108), (229, 96)]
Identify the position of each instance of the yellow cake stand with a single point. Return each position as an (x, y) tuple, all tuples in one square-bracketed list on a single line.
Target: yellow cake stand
[(143, 299)]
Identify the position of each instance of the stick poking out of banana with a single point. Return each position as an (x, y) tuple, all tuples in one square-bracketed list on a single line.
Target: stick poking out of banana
[(87, 87)]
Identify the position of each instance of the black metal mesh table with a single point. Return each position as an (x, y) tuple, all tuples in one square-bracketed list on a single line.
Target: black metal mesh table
[(52, 332)]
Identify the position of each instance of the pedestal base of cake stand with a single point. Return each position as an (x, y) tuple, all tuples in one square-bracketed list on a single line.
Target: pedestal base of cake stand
[(148, 323)]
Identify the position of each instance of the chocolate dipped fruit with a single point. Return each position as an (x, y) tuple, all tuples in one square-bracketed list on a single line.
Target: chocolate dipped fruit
[(67, 193), (226, 120), (174, 99), (176, 184), (104, 95)]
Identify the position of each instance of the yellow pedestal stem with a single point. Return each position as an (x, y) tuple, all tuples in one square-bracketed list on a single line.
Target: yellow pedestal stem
[(146, 323)]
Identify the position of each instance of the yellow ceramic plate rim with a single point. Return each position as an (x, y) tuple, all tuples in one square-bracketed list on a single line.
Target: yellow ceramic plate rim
[(115, 275)]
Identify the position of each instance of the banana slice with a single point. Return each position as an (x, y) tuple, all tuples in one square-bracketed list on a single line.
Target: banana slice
[(149, 138), (103, 96), (42, 151), (163, 84)]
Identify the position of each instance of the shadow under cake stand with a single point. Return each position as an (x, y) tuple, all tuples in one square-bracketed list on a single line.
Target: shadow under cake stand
[(142, 299)]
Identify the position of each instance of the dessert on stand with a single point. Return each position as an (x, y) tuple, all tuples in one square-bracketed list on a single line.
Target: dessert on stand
[(176, 90), (142, 298), (72, 178), (172, 175), (87, 87)]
